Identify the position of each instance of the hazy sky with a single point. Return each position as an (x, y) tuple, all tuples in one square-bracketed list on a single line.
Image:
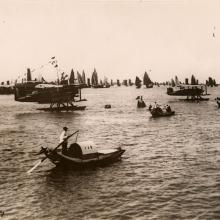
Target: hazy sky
[(121, 39)]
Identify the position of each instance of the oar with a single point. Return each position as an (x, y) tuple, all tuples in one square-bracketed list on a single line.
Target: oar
[(40, 161)]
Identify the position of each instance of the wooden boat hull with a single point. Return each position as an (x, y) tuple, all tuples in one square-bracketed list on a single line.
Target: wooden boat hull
[(141, 104), (162, 114), (101, 159), (149, 86), (6, 90)]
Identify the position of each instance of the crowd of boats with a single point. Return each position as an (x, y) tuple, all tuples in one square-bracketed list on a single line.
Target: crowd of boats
[(65, 92), (85, 154)]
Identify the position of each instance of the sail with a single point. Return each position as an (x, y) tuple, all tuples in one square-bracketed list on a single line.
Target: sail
[(79, 78), (118, 82), (72, 77), (112, 82), (146, 79), (125, 82), (130, 83), (83, 77), (137, 81), (94, 78), (105, 80), (106, 83), (177, 82), (172, 83)]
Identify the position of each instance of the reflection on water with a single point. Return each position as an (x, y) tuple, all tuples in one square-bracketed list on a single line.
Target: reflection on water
[(170, 169)]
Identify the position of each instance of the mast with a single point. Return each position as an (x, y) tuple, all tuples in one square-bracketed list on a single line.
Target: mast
[(83, 77), (72, 77), (79, 77)]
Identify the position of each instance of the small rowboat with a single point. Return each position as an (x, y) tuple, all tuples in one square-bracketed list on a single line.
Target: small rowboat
[(155, 112), (141, 104), (82, 155)]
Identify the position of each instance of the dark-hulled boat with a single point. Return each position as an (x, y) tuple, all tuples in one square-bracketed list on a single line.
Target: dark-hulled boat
[(140, 102), (158, 112), (82, 155)]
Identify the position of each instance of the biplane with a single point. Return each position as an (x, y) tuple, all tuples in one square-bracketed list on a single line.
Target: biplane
[(59, 96), (192, 92)]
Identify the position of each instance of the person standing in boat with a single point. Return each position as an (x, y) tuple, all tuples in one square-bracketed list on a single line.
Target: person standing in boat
[(63, 140), (168, 109)]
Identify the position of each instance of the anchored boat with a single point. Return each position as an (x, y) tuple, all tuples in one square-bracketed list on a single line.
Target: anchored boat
[(138, 82), (83, 154), (147, 81)]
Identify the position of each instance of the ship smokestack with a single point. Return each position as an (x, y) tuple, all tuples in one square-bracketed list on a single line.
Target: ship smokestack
[(28, 74)]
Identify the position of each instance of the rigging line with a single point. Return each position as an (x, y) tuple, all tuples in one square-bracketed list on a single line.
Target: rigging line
[(41, 66)]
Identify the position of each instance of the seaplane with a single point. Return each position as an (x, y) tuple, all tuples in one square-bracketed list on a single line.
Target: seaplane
[(192, 92), (61, 96)]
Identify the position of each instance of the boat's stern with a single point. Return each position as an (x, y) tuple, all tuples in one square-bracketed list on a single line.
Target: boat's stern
[(50, 154)]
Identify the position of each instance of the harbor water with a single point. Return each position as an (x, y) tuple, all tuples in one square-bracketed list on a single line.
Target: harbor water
[(170, 170)]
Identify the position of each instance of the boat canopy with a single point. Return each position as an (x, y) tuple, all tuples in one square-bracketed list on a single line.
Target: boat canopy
[(87, 147), (83, 150)]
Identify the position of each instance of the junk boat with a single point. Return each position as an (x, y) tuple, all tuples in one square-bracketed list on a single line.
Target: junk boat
[(147, 81), (138, 82), (82, 155), (6, 89), (94, 79)]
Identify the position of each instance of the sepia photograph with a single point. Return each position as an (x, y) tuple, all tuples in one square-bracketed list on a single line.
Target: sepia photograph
[(109, 110)]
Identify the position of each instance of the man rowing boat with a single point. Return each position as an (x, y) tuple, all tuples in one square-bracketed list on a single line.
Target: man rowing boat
[(63, 140)]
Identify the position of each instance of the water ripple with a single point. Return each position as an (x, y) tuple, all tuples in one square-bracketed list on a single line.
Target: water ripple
[(170, 169)]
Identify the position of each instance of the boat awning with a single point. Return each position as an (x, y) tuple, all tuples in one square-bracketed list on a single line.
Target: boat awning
[(87, 147)]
